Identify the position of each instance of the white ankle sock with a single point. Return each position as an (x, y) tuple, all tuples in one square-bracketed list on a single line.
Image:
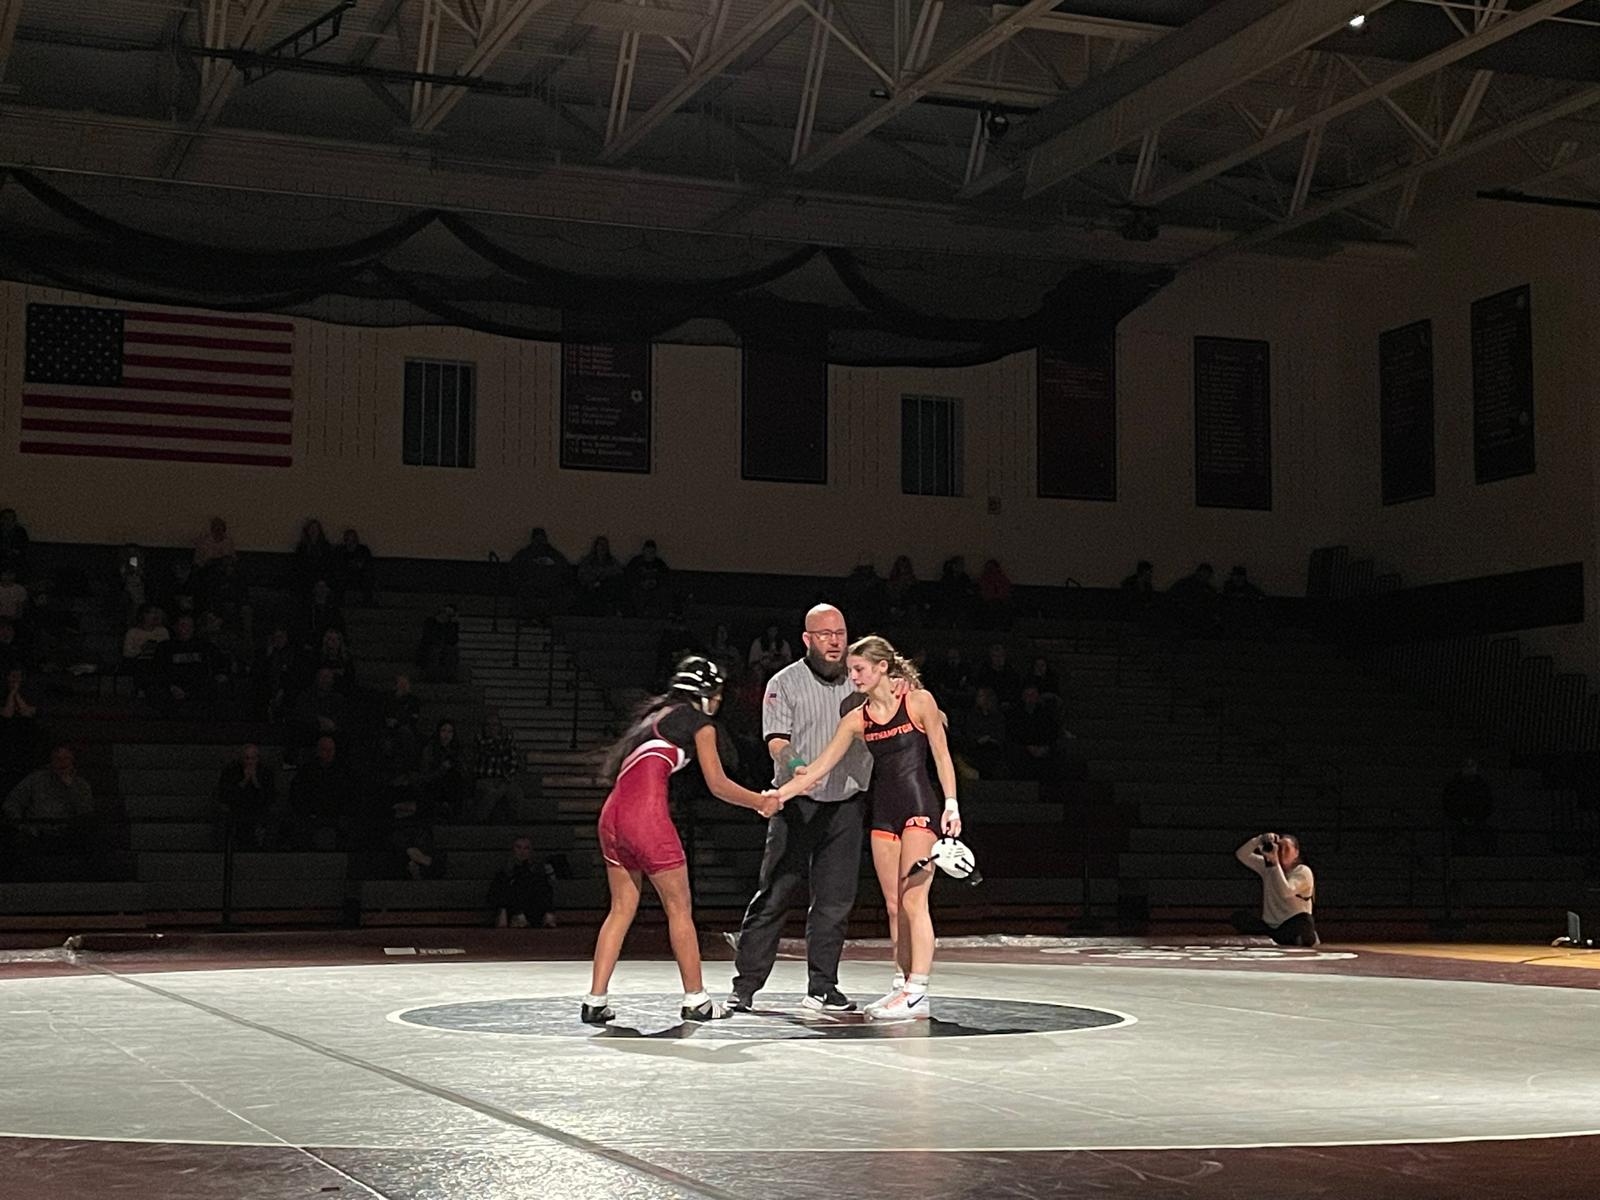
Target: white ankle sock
[(899, 981), (916, 982), (695, 999), (594, 1001)]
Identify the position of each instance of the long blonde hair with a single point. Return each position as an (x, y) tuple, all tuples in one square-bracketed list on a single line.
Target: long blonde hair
[(877, 649)]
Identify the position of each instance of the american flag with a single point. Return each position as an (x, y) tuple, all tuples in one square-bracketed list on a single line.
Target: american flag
[(156, 384)]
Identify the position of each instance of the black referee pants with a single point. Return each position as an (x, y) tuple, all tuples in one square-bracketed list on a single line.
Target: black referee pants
[(807, 837)]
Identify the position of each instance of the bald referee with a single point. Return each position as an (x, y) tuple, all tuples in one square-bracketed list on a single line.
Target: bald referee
[(816, 836)]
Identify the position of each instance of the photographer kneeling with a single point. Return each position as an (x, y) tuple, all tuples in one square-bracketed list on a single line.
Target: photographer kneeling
[(1288, 889)]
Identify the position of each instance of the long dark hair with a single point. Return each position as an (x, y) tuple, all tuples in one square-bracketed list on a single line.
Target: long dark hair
[(643, 720)]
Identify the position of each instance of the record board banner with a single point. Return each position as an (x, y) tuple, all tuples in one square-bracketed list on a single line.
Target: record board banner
[(605, 406), (1232, 423), (1502, 385), (1405, 412), (1077, 422)]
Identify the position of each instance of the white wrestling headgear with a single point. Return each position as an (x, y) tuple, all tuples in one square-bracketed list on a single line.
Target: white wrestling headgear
[(955, 859)]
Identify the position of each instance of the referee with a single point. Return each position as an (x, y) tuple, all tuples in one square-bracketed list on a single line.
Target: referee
[(817, 835)]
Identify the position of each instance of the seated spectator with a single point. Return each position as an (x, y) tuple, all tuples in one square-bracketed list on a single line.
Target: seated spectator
[(51, 811), (649, 582), (321, 799), (1238, 586), (407, 828), (248, 794), (600, 588), (401, 741), (186, 672), (949, 679), (1044, 677), (319, 711), (13, 541), (444, 771), (998, 675), (277, 673), (957, 597), (725, 654), (1194, 602), (495, 764), (19, 728), (230, 643), (439, 653), (355, 568), (182, 590), (1244, 613), (541, 578), (318, 614), (313, 558), (13, 596), (994, 595), (131, 572), (139, 646), (214, 546), (901, 589), (335, 656), (12, 654), (1034, 728), (982, 736), (1140, 587), (523, 892), (770, 652)]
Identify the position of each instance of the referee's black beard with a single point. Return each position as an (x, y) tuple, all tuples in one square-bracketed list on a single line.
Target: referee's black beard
[(823, 669)]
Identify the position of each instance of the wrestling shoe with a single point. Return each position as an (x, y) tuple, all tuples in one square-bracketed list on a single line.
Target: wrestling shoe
[(831, 1001), (904, 1005), (706, 1010), (895, 989), (597, 1014), (738, 1004)]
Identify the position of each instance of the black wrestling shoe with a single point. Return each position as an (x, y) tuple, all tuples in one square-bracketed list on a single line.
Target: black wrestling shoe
[(738, 1004), (831, 1001), (597, 1014), (708, 1010)]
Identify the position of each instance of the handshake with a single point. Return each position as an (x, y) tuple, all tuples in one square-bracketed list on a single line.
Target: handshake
[(775, 798)]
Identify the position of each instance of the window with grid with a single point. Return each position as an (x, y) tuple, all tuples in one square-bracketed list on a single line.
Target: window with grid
[(930, 446), (441, 413)]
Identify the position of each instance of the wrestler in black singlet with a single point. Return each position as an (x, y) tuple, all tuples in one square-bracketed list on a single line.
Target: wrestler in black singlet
[(902, 793)]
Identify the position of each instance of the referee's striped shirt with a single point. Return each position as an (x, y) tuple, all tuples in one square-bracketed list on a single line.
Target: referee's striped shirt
[(806, 710)]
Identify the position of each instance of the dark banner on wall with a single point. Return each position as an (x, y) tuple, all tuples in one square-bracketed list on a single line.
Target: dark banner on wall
[(1502, 385), (1232, 423), (605, 406), (1077, 422), (1405, 411), (784, 435)]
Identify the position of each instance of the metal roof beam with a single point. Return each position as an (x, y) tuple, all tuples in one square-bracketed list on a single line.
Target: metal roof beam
[(929, 80), (495, 39), (1488, 35), (717, 59)]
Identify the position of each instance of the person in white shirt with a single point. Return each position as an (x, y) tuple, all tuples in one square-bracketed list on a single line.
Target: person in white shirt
[(13, 596), (1288, 888)]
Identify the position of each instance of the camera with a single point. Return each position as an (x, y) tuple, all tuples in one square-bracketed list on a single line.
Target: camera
[(1267, 844)]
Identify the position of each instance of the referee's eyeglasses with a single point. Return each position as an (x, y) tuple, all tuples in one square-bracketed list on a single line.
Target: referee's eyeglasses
[(832, 635)]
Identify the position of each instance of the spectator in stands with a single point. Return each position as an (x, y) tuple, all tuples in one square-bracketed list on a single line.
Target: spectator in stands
[(901, 589), (214, 546), (51, 811), (320, 799), (998, 675), (523, 891), (12, 654), (354, 562), (957, 597), (181, 591), (1195, 602), (187, 671), (495, 763), (408, 827), (139, 646), (319, 614), (949, 678), (335, 656), (313, 558), (600, 587), (725, 654), (53, 634), (1243, 608), (248, 795), (648, 581), (401, 741), (1034, 728), (444, 773), (231, 644), (1139, 592), (1288, 890), (1468, 803), (439, 653), (131, 572), (770, 652), (13, 541), (982, 740), (994, 595), (320, 710), (1044, 677), (541, 577), (277, 672), (13, 596), (19, 727)]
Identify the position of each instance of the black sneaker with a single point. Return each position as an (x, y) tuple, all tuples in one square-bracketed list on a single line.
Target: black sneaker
[(833, 1000), (597, 1014), (708, 1010), (737, 1003)]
